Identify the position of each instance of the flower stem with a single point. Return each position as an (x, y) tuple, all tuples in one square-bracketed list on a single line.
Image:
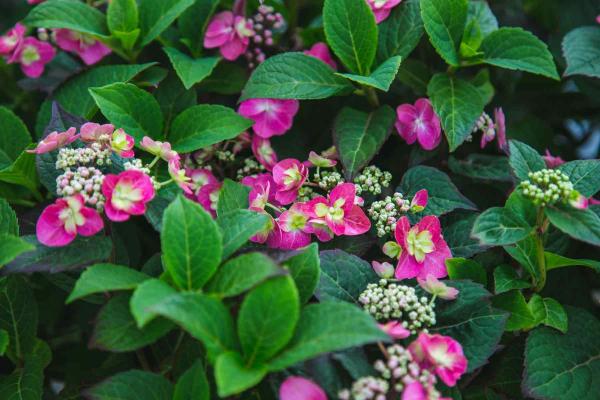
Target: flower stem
[(153, 162), (371, 96), (539, 249)]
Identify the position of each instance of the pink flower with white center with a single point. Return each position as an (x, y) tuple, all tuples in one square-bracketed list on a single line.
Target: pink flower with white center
[(419, 122), (395, 330), (122, 143), (316, 160), (33, 55), (433, 286), (321, 51), (424, 250), (12, 39), (159, 149), (292, 230), (68, 217), (272, 117), (96, 133), (442, 354), (382, 8), (200, 177), (208, 197), (500, 122), (126, 194), (264, 153), (298, 388), (263, 190), (179, 176), (55, 140), (419, 201), (89, 49), (230, 33), (552, 161), (383, 270), (339, 212), (289, 175)]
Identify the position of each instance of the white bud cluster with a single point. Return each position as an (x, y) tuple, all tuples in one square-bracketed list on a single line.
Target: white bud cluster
[(72, 157), (305, 193), (366, 388), (485, 125), (327, 180), (401, 368), (547, 186), (251, 167), (385, 213), (84, 180), (390, 301), (224, 155), (372, 180)]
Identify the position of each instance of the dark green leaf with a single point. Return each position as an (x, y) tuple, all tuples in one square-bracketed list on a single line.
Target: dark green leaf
[(457, 229), (198, 15), (8, 219), (11, 247), (15, 137), (193, 384), (549, 312), (190, 70), (68, 14), (343, 276), (400, 33), (554, 261), (582, 225), (18, 315), (157, 15), (444, 22), (514, 302), (499, 226), (233, 376), (122, 16), (524, 159), (381, 78), (482, 166), (506, 278), (584, 175), (238, 226), (581, 48), (148, 294), (233, 196), (132, 385), (461, 268), (305, 269), (27, 381)]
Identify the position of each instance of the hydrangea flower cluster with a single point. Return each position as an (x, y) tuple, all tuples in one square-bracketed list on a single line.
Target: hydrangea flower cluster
[(372, 180), (551, 186), (385, 213), (265, 23), (365, 388)]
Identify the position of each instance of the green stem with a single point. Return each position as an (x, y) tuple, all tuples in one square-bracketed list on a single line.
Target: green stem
[(153, 162), (539, 250), (372, 96)]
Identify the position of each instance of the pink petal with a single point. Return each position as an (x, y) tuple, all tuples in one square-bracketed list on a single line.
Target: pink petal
[(356, 222), (431, 223), (345, 191), (50, 229), (93, 222), (407, 267), (298, 388), (402, 228), (414, 391), (94, 53)]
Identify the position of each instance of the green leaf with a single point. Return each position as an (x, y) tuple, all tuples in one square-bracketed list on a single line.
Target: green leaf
[(191, 244), (584, 175), (122, 16), (400, 33), (68, 14), (461, 268), (514, 302), (582, 225), (233, 196), (479, 10), (457, 228), (524, 159), (445, 22), (294, 76), (203, 125), (190, 70), (343, 276), (148, 294), (327, 327), (131, 108), (443, 195), (157, 15), (13, 143), (198, 15), (242, 273), (11, 247), (458, 104), (193, 384), (26, 382), (116, 330), (101, 278), (22, 172), (351, 33), (581, 48), (173, 98), (549, 312), (506, 278), (565, 367), (4, 341), (203, 317), (498, 226), (305, 269), (18, 315), (381, 78), (233, 376), (238, 226), (482, 166), (517, 49), (358, 136), (525, 253), (132, 385), (8, 219), (554, 261), (267, 318)]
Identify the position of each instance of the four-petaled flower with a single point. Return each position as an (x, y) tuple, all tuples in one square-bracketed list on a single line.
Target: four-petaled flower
[(55, 140), (122, 143), (126, 194), (272, 117), (230, 33), (89, 49), (442, 354), (419, 122), (291, 230), (12, 39), (289, 175), (33, 55)]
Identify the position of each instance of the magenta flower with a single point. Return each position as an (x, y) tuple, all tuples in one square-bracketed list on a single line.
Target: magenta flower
[(12, 39), (383, 270), (54, 141), (264, 153), (441, 354), (416, 391), (179, 176), (262, 190), (298, 388), (500, 122), (321, 51), (272, 117), (419, 201), (230, 33), (89, 49), (208, 197), (424, 250), (552, 161), (382, 8), (122, 144), (92, 132), (292, 230), (289, 175), (419, 122), (200, 177), (316, 160), (33, 55), (578, 200), (395, 330), (68, 217), (159, 149), (437, 288), (339, 212), (126, 194)]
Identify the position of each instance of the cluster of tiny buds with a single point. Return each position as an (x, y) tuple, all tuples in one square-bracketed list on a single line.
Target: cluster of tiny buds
[(224, 155), (251, 167), (372, 180), (485, 125), (137, 165), (547, 186), (366, 388), (305, 193), (94, 154), (264, 23), (327, 180), (84, 180), (400, 367), (390, 301), (385, 213)]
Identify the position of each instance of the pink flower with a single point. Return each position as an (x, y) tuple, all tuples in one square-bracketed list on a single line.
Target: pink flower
[(298, 388), (200, 177), (339, 212), (552, 161), (179, 176), (419, 122), (126, 194), (54, 141), (382, 8), (321, 51), (437, 288), (33, 55), (383, 270), (289, 175), (414, 391), (292, 230), (442, 354), (500, 121), (263, 235), (316, 160), (424, 250), (68, 217), (89, 49), (419, 201), (395, 330), (262, 192), (578, 200), (489, 134), (264, 153), (208, 197), (122, 144), (12, 39), (159, 149), (272, 117), (230, 33), (92, 132)]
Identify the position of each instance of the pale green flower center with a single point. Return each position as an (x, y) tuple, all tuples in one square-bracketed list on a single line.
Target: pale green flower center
[(30, 55), (292, 175), (124, 195), (419, 244), (71, 216)]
